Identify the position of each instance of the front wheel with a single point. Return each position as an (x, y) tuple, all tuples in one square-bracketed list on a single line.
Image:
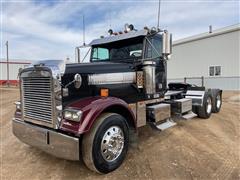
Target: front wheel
[(104, 148)]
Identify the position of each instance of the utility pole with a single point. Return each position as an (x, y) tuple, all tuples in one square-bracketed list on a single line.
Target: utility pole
[(8, 84)]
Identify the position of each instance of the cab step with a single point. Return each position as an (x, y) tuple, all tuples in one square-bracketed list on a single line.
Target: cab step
[(189, 115), (164, 125)]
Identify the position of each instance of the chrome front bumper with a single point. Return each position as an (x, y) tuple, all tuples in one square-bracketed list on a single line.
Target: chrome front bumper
[(52, 142)]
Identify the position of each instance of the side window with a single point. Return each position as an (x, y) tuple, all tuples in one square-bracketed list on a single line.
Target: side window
[(154, 48), (100, 54), (215, 71)]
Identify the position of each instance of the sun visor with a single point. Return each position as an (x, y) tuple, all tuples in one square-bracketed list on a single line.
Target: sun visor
[(109, 39)]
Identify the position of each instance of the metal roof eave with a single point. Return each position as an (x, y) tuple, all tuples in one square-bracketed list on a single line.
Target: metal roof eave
[(216, 32)]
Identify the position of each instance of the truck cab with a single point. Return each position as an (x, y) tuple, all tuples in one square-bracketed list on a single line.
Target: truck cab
[(92, 110)]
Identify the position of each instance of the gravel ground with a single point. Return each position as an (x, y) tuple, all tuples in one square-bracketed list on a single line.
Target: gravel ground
[(194, 149)]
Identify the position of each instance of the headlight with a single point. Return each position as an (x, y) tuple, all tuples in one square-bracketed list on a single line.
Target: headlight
[(72, 114), (67, 114), (18, 105)]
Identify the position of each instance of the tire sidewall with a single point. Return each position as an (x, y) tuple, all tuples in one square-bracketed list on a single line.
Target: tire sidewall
[(99, 162), (202, 110), (215, 108), (207, 96)]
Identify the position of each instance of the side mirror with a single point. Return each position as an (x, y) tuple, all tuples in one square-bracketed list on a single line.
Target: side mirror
[(166, 43), (77, 81)]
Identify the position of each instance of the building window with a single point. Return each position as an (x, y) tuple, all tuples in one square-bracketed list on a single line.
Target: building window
[(211, 71), (215, 71)]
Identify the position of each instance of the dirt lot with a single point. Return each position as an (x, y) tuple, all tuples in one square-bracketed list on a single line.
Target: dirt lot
[(194, 149)]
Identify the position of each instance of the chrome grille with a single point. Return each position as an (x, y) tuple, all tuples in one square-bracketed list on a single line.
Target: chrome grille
[(37, 99)]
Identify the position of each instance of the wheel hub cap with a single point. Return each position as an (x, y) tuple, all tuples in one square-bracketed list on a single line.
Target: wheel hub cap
[(112, 143)]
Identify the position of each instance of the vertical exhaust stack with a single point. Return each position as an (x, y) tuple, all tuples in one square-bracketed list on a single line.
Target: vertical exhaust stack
[(167, 43), (149, 68)]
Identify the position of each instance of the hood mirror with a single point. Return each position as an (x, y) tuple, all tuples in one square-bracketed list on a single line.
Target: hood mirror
[(77, 81)]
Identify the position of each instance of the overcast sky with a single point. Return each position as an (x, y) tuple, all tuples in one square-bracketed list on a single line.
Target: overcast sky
[(52, 29)]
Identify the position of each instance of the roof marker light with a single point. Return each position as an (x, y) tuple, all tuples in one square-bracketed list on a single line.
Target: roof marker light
[(128, 27), (110, 32), (131, 27)]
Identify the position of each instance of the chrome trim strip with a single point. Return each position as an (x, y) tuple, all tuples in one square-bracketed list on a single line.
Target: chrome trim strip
[(112, 78), (49, 141)]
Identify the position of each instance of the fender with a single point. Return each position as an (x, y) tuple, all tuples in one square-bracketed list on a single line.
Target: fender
[(92, 107)]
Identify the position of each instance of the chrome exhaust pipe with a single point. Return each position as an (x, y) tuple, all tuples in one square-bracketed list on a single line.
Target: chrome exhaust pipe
[(149, 68)]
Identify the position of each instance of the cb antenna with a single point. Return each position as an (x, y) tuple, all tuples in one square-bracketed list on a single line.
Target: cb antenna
[(159, 10), (110, 18), (83, 24)]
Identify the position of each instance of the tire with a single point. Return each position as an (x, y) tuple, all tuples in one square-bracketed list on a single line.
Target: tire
[(108, 134), (205, 110), (217, 100)]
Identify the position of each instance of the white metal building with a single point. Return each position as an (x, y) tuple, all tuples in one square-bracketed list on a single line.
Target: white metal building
[(213, 55), (14, 66)]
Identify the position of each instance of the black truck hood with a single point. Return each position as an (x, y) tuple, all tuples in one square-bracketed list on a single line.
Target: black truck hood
[(86, 69), (59, 67), (97, 68)]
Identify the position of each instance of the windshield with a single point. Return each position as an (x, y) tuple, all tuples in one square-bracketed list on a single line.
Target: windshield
[(118, 51)]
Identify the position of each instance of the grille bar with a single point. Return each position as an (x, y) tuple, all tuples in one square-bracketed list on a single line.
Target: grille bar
[(36, 96), (37, 104), (43, 109), (37, 99)]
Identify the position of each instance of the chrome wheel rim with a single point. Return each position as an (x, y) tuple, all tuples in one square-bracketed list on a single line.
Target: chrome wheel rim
[(209, 105), (218, 99), (112, 143)]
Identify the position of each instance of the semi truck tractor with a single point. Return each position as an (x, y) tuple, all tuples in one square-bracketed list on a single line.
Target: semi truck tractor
[(93, 110)]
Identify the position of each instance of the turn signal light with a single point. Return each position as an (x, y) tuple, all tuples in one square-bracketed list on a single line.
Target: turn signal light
[(104, 92)]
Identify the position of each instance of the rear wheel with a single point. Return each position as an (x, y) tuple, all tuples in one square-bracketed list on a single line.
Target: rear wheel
[(217, 101), (205, 110), (104, 148)]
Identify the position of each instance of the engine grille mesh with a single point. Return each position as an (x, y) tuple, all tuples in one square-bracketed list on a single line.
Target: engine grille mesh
[(37, 98)]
